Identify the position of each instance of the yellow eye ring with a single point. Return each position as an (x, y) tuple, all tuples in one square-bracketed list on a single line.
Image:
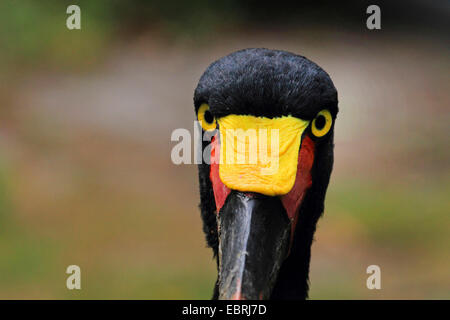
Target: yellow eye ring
[(322, 123), (207, 120)]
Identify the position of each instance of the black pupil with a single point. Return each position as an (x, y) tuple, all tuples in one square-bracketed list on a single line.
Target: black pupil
[(320, 122), (208, 117)]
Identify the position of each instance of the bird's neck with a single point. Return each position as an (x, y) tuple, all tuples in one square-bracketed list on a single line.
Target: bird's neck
[(293, 281)]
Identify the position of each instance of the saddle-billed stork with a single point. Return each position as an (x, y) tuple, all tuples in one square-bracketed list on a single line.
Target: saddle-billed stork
[(259, 224)]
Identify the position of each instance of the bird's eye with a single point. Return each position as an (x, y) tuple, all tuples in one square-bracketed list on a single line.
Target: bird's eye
[(322, 123), (206, 118)]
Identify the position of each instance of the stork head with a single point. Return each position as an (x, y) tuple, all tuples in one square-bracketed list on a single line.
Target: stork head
[(271, 117)]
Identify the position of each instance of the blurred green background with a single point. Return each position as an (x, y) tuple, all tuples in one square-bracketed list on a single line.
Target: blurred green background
[(85, 123)]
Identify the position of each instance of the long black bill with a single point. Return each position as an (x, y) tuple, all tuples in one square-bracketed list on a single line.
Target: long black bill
[(254, 235)]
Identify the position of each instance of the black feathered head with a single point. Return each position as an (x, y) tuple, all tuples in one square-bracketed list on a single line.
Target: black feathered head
[(271, 116)]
